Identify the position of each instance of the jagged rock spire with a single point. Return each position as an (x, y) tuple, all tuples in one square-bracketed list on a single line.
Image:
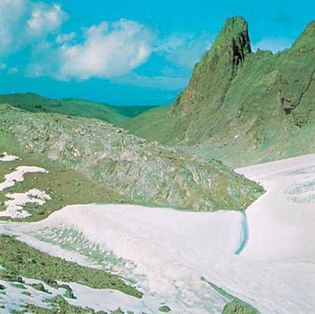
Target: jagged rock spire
[(234, 40), (214, 73)]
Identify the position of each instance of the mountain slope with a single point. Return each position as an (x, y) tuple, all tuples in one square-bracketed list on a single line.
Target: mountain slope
[(143, 172), (74, 107), (242, 107)]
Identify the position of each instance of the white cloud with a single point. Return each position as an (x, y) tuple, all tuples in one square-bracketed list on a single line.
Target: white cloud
[(184, 50), (108, 50), (44, 19), (65, 38), (181, 51), (273, 44), (24, 21), (115, 50), (11, 12)]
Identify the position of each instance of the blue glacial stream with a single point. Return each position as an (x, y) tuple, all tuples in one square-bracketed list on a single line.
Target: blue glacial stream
[(244, 236)]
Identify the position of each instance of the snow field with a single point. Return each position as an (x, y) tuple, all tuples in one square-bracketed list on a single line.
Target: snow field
[(172, 250)]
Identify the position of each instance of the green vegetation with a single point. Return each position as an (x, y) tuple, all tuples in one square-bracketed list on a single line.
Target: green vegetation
[(235, 306), (27, 293), (149, 125), (68, 291), (164, 309), (58, 305), (131, 111), (74, 107), (19, 286), (143, 172), (239, 307), (39, 287), (20, 260), (241, 107), (118, 311)]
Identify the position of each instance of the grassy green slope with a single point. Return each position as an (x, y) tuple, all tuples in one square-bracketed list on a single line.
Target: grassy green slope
[(155, 125), (131, 111), (74, 107), (242, 107)]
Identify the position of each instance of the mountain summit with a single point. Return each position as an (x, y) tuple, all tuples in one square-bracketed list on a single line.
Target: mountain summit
[(242, 107), (214, 73)]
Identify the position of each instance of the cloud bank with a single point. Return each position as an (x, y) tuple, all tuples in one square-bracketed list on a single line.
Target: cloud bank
[(25, 22), (184, 50), (107, 50)]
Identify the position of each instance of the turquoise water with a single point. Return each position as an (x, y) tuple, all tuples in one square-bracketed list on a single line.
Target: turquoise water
[(244, 236)]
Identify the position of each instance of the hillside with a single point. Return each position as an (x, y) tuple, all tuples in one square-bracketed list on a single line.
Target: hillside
[(242, 107), (75, 107), (140, 171)]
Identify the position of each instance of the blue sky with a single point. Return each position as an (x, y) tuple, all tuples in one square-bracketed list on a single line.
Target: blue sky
[(127, 52)]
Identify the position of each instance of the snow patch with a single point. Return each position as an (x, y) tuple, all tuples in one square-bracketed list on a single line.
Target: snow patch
[(6, 157), (18, 176), (14, 297), (18, 295), (14, 206), (110, 300)]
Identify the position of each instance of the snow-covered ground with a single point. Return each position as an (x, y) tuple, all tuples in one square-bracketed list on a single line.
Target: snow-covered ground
[(17, 201), (17, 295), (161, 247), (282, 222), (18, 176), (6, 157), (169, 251)]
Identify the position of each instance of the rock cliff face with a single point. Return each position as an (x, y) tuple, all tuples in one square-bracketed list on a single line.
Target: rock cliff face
[(143, 172), (242, 107), (213, 75)]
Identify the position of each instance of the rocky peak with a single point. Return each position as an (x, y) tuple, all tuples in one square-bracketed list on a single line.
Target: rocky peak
[(234, 39), (214, 73)]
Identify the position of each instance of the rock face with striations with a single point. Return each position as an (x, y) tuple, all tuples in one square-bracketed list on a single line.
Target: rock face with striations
[(242, 107), (143, 172), (213, 75)]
